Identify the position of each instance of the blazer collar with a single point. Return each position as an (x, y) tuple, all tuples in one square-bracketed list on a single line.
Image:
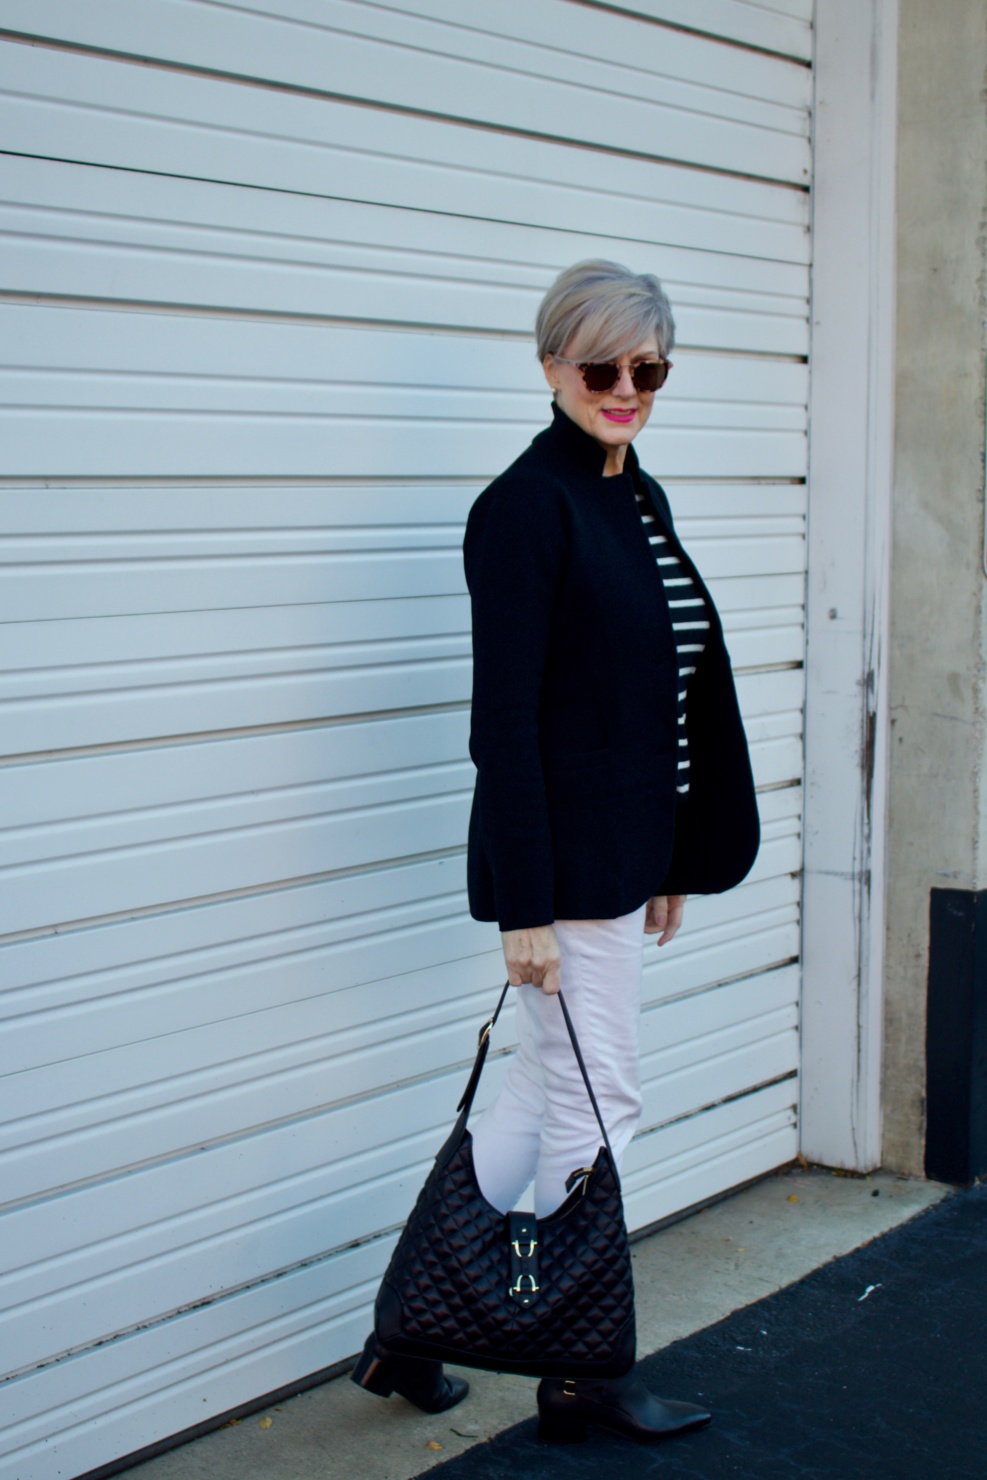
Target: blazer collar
[(564, 438)]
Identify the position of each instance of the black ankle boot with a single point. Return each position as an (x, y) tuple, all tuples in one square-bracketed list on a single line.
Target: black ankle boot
[(622, 1404), (421, 1382)]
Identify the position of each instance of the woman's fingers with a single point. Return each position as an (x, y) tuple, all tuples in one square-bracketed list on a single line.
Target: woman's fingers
[(664, 916), (532, 956), (676, 906), (656, 914), (552, 980), (546, 959)]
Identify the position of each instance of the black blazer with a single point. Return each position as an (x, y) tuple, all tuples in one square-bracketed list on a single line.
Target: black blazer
[(574, 702)]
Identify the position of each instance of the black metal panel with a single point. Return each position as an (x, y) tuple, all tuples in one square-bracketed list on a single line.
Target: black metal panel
[(956, 1036)]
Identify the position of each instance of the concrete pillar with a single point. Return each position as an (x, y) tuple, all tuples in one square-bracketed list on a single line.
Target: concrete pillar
[(938, 627), (851, 444)]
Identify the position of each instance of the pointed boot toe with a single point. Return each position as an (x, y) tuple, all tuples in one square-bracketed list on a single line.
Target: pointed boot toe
[(623, 1405)]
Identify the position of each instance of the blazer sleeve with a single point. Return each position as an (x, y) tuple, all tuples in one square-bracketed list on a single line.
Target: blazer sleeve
[(514, 553)]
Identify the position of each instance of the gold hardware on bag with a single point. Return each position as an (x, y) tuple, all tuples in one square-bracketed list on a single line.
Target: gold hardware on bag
[(521, 1289), (522, 1239)]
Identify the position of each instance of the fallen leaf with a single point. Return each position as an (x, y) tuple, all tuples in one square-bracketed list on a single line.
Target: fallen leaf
[(792, 1197), (264, 1423), (432, 1445)]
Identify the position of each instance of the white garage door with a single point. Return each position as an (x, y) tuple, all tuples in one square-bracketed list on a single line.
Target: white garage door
[(268, 274)]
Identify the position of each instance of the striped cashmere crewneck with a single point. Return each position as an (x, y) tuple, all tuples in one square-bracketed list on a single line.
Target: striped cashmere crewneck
[(690, 623)]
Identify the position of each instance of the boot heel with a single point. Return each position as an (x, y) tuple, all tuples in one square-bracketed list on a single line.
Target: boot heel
[(561, 1428), (373, 1372)]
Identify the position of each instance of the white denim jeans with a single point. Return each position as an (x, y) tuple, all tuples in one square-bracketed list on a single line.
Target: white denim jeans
[(541, 1125)]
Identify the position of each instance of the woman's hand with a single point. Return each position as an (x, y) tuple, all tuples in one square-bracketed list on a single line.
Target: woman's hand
[(664, 914), (532, 956)]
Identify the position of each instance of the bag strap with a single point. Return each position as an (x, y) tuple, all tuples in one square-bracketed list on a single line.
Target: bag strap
[(583, 1072), (466, 1103)]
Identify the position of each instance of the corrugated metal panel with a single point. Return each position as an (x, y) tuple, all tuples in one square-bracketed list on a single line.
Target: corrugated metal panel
[(325, 148), (261, 346), (261, 399), (93, 660), (713, 107), (782, 26), (91, 233)]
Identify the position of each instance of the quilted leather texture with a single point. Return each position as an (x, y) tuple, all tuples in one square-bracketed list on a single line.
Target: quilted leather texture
[(445, 1293)]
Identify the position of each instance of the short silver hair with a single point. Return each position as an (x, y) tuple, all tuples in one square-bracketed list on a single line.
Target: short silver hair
[(599, 310)]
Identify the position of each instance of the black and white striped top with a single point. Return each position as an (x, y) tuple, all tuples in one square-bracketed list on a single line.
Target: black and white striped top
[(690, 621)]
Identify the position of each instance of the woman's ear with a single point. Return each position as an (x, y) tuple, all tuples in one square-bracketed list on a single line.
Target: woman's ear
[(551, 370)]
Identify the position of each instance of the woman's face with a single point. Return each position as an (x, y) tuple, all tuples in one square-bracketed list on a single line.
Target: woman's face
[(612, 417)]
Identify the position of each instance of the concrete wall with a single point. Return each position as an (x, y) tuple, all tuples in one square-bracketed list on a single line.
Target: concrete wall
[(938, 632)]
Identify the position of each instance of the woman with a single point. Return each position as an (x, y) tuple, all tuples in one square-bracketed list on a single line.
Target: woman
[(613, 776)]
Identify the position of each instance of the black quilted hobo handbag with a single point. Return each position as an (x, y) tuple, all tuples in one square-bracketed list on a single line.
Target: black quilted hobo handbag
[(545, 1297)]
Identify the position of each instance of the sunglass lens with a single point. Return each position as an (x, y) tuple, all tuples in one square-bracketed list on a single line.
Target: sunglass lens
[(600, 377), (649, 375)]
